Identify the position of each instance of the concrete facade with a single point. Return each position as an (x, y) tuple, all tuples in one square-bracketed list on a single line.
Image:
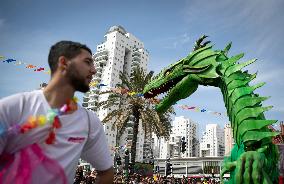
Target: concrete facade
[(212, 141), (229, 140), (181, 127), (119, 52)]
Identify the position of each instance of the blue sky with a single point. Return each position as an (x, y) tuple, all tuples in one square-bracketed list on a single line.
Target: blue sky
[(167, 28)]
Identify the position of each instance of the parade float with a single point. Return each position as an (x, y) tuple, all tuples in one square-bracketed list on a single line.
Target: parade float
[(254, 158)]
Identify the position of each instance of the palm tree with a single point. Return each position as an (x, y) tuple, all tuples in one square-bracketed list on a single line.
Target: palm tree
[(134, 107)]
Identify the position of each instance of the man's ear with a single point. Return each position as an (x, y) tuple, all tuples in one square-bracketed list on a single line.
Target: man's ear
[(62, 63)]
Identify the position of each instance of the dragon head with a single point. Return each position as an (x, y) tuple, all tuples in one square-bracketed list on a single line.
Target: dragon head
[(182, 78)]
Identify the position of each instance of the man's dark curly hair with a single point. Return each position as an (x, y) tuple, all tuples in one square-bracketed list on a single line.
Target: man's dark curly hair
[(68, 49)]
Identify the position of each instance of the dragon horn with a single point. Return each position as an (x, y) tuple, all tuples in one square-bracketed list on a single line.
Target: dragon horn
[(198, 42), (205, 43), (227, 48)]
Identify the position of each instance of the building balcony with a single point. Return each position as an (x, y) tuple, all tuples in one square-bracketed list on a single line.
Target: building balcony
[(85, 99), (130, 124), (95, 90), (136, 53), (99, 69), (93, 107), (93, 100), (85, 104), (136, 58), (87, 95), (96, 78), (94, 96), (131, 118), (102, 62), (129, 136), (101, 53), (99, 74), (130, 131), (101, 57)]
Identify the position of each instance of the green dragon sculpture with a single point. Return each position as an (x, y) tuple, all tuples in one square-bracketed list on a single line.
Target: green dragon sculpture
[(254, 158)]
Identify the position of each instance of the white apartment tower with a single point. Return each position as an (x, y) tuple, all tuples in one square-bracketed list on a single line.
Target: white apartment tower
[(229, 140), (118, 53), (162, 148), (182, 127), (212, 141)]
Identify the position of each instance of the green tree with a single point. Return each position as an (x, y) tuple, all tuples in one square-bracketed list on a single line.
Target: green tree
[(133, 107)]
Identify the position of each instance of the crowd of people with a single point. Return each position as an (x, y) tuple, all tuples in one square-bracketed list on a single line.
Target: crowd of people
[(85, 176), (157, 179), (89, 177)]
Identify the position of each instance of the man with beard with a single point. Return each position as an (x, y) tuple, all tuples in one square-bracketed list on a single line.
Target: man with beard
[(43, 133)]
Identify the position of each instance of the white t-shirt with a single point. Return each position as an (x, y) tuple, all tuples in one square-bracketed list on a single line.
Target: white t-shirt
[(74, 139)]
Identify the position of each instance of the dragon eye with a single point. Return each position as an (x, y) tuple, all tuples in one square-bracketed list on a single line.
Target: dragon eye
[(167, 72)]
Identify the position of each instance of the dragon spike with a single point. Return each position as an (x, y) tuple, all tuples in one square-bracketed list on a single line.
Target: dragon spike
[(227, 48), (205, 43), (250, 125), (251, 113), (247, 102), (231, 61), (257, 136), (252, 77), (238, 67), (198, 42), (258, 85), (242, 91)]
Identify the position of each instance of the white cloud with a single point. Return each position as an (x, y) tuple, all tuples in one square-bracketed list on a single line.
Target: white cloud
[(176, 41), (181, 40), (230, 14), (258, 24)]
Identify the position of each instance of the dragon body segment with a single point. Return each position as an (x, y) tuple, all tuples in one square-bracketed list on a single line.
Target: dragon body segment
[(254, 158)]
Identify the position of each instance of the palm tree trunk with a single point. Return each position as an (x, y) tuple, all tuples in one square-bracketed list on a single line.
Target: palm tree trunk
[(136, 114)]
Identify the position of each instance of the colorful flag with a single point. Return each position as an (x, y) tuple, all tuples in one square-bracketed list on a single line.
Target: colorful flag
[(9, 60), (30, 66)]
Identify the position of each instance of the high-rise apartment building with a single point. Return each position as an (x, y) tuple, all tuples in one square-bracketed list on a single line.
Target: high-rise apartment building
[(212, 141), (162, 148), (181, 128), (229, 140), (119, 52)]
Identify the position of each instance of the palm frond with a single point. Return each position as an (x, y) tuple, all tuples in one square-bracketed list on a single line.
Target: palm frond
[(122, 128), (152, 122), (116, 114)]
